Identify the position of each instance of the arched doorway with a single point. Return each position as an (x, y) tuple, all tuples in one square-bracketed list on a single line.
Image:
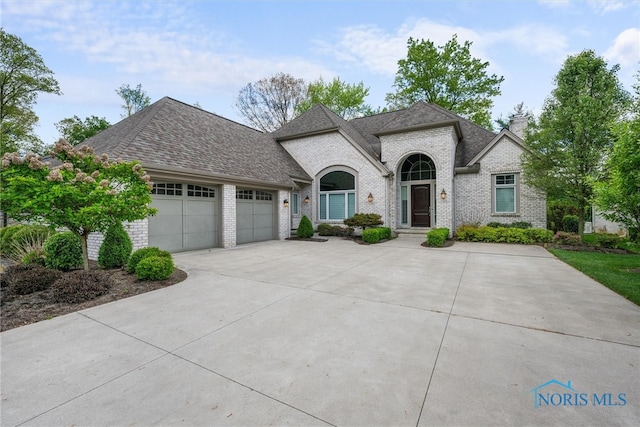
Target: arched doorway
[(417, 183)]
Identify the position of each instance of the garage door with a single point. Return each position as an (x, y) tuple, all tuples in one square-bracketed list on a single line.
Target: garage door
[(255, 216), (186, 218)]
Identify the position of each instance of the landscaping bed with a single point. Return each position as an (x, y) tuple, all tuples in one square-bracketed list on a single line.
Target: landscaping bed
[(20, 310)]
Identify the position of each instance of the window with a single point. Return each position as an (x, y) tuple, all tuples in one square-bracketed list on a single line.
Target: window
[(198, 191), (337, 196), (295, 203), (418, 167), (244, 194), (167, 189), (263, 195), (505, 193)]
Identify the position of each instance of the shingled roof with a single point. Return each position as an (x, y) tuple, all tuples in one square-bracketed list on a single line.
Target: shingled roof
[(365, 131), (171, 135)]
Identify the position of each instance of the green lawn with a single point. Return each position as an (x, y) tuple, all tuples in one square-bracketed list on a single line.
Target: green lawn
[(612, 270)]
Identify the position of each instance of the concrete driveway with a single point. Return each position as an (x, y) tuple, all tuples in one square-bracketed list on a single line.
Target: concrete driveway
[(335, 333)]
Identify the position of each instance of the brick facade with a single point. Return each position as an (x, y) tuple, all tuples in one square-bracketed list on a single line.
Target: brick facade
[(474, 191), (440, 145), (320, 154), (138, 232)]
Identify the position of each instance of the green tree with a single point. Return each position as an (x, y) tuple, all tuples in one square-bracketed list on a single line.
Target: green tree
[(569, 141), (447, 76), (270, 103), (344, 99), (84, 194), (75, 130), (618, 194), (23, 75), (135, 99)]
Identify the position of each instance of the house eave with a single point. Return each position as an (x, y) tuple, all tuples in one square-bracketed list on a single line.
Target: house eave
[(461, 170), (306, 134), (454, 123), (190, 175)]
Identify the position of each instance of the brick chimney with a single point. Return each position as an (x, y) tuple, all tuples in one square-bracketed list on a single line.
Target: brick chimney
[(518, 123)]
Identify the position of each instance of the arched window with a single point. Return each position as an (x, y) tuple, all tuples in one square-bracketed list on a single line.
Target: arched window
[(337, 195), (418, 167)]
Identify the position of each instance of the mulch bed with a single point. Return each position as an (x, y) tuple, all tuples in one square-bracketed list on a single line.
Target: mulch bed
[(20, 310)]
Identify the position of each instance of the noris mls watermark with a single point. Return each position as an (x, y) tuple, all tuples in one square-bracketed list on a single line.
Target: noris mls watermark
[(554, 393)]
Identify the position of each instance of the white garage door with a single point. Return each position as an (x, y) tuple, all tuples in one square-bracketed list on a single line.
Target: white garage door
[(186, 218), (255, 216)]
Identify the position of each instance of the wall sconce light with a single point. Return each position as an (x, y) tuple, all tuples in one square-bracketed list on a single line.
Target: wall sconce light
[(307, 200), (286, 203), (370, 198), (443, 194)]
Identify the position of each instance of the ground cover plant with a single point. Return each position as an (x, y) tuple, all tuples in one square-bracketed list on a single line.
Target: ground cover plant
[(32, 290), (618, 272)]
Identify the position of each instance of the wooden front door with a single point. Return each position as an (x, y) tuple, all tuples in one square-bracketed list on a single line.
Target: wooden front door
[(421, 205)]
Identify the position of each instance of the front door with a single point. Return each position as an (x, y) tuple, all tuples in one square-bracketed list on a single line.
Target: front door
[(421, 205)]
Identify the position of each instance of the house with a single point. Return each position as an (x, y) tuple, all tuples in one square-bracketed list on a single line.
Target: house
[(218, 183)]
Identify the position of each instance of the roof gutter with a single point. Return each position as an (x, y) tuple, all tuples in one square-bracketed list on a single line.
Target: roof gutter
[(188, 175), (474, 168)]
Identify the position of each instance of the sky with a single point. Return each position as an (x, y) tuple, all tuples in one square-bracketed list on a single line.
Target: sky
[(205, 52)]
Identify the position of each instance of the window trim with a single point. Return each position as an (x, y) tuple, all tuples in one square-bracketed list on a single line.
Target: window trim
[(295, 203), (516, 193), (346, 194)]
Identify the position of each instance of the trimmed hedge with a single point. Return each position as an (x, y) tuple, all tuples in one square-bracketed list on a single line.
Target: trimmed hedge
[(63, 251), (143, 253), (374, 235), (154, 268), (116, 247), (334, 230), (517, 224), (437, 236), (472, 233), (305, 228)]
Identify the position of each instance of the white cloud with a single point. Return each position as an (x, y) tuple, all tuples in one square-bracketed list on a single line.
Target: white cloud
[(555, 4), (606, 6), (625, 49), (379, 51)]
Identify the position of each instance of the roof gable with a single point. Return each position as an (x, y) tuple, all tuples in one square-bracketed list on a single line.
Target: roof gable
[(504, 134), (171, 135)]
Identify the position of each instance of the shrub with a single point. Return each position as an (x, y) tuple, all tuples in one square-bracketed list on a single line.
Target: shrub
[(63, 251), (143, 253), (437, 237), (154, 268), (517, 224), (305, 228), (374, 235), (6, 238), (503, 235), (364, 220), (116, 247), (556, 210), (570, 223), (563, 238), (80, 286), (607, 240), (334, 230), (27, 244), (29, 278)]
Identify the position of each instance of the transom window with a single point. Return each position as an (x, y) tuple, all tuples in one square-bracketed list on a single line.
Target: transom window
[(505, 193), (199, 191), (337, 196), (244, 194), (167, 189), (418, 167), (263, 195)]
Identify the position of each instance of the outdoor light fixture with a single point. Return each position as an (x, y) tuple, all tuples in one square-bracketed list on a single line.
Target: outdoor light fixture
[(306, 200), (443, 194), (370, 198), (286, 203)]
